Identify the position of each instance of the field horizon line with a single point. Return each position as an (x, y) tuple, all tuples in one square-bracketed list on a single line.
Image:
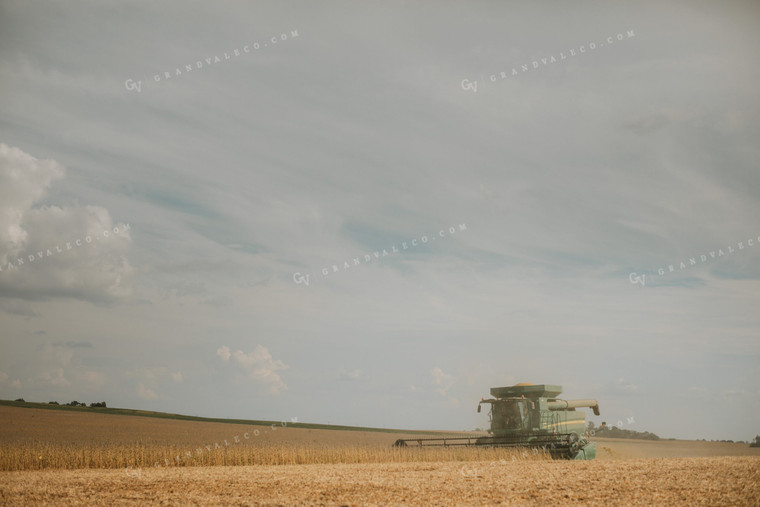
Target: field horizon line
[(249, 422)]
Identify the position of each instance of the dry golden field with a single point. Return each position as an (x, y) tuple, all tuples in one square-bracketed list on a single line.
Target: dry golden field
[(663, 481), (37, 439), (59, 457)]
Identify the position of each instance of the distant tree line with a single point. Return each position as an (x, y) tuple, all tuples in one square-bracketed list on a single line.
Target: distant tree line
[(98, 404), (727, 441), (612, 431)]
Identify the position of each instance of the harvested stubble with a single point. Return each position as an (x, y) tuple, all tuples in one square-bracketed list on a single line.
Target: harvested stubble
[(669, 481), (46, 455)]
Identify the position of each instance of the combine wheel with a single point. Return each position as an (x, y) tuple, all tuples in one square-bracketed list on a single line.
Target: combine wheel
[(573, 441)]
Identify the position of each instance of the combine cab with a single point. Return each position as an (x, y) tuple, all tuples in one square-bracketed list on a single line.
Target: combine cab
[(527, 415)]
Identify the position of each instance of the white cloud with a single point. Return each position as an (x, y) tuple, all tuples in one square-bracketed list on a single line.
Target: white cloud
[(44, 250), (259, 365), (146, 393), (149, 380), (24, 180), (92, 378), (155, 372), (442, 380), (177, 377), (16, 383), (223, 352), (56, 378), (60, 364), (3, 377)]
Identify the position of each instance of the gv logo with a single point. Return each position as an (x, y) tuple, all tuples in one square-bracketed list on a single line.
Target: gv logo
[(634, 279), (467, 85), (299, 278), (134, 472), (131, 85), (469, 472)]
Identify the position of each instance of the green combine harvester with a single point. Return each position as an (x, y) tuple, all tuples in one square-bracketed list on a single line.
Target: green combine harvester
[(527, 415)]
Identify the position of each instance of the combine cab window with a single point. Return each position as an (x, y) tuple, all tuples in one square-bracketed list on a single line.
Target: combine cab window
[(509, 415)]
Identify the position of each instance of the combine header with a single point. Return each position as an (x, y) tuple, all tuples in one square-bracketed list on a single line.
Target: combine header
[(527, 415)]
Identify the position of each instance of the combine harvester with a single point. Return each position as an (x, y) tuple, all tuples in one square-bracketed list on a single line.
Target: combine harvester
[(527, 415)]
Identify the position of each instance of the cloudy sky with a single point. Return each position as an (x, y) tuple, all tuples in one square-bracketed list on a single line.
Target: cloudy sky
[(363, 214)]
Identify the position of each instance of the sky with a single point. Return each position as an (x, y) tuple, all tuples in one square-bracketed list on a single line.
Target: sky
[(369, 214)]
